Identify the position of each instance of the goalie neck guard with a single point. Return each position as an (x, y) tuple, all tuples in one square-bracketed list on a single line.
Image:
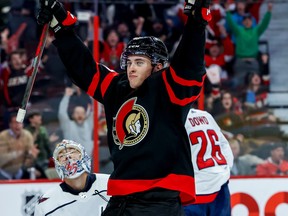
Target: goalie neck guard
[(149, 46), (71, 159)]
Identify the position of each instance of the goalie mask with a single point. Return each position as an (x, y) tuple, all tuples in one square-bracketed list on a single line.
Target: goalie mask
[(71, 159), (149, 46)]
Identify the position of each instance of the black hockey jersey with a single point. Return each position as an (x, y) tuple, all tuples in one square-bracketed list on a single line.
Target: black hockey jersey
[(146, 135)]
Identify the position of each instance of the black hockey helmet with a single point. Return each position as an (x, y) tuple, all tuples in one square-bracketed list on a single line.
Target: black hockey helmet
[(149, 46)]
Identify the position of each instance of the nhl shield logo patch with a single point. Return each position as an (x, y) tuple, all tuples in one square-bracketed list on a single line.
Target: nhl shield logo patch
[(30, 199)]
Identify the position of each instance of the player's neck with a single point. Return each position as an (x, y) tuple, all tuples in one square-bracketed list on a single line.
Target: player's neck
[(78, 184)]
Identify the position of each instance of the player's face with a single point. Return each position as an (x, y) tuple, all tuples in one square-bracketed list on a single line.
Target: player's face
[(139, 67), (68, 154)]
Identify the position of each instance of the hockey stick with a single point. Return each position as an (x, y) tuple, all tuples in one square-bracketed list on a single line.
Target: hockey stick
[(22, 111)]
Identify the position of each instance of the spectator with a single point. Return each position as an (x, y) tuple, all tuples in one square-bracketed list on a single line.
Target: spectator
[(80, 126), (159, 30), (245, 164), (255, 94), (16, 146), (227, 110), (247, 48), (126, 33), (14, 80), (24, 14), (275, 163), (218, 55), (218, 14), (112, 49), (253, 6), (120, 12), (12, 43), (227, 103), (238, 16), (150, 12), (40, 137)]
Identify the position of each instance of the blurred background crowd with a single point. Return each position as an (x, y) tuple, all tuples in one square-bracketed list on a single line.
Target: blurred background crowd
[(240, 59)]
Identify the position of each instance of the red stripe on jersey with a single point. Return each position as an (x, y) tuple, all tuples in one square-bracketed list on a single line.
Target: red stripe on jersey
[(185, 82), (70, 19), (106, 82), (200, 199), (173, 98), (182, 183), (93, 85)]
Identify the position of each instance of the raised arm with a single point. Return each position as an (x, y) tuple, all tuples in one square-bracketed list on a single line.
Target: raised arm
[(263, 25), (186, 74), (80, 64), (63, 106), (189, 56)]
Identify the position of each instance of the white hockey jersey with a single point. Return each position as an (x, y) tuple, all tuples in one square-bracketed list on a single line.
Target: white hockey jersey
[(212, 157), (57, 202)]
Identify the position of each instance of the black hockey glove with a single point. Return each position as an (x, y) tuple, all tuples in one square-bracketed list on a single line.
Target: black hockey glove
[(199, 9), (191, 5), (52, 10)]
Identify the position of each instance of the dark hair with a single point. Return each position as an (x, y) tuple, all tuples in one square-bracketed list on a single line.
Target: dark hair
[(12, 115), (32, 113), (108, 30), (247, 16), (274, 146)]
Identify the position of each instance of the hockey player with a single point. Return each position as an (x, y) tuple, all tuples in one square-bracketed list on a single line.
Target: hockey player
[(145, 110), (81, 192), (212, 159)]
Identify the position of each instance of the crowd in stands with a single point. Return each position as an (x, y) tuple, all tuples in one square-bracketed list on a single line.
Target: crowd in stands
[(236, 87)]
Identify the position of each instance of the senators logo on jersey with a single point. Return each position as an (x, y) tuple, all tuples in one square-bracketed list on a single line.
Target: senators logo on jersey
[(131, 124)]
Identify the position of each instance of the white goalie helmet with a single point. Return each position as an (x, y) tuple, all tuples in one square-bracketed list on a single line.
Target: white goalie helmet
[(71, 159)]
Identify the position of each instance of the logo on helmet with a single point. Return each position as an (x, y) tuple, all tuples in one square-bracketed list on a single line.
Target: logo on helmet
[(130, 125), (71, 159)]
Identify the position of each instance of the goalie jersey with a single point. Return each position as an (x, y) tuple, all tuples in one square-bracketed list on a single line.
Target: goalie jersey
[(62, 201), (212, 157)]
